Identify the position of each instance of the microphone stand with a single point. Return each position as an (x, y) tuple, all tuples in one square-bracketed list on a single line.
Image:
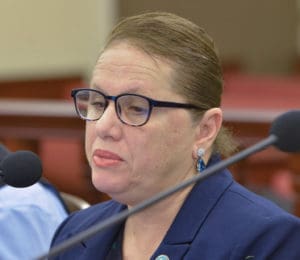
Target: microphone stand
[(160, 196)]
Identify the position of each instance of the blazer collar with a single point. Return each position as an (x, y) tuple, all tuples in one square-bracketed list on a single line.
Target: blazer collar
[(99, 244), (191, 217), (196, 208)]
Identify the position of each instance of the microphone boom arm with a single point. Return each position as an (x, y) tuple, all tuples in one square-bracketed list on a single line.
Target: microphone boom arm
[(160, 196)]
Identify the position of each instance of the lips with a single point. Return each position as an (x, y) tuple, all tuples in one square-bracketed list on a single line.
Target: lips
[(103, 158)]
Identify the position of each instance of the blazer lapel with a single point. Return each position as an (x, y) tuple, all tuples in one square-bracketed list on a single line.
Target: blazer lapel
[(191, 217), (98, 246)]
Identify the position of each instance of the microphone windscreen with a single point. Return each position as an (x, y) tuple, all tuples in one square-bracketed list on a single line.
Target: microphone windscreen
[(287, 130), (21, 169)]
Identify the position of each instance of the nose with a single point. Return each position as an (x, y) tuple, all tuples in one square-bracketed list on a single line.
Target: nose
[(109, 125)]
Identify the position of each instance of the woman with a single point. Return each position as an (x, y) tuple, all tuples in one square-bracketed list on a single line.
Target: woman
[(153, 121)]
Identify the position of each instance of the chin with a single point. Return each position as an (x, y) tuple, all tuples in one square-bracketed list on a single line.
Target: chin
[(115, 190), (107, 184)]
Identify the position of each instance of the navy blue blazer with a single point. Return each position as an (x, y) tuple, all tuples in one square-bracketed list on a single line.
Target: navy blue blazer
[(220, 219)]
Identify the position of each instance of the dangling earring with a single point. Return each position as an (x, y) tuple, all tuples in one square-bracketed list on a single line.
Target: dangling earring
[(200, 163)]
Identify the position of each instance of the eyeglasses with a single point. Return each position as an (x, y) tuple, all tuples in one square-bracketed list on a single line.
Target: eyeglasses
[(131, 109)]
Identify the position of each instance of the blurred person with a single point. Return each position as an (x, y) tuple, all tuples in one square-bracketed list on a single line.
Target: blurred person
[(28, 218), (153, 120)]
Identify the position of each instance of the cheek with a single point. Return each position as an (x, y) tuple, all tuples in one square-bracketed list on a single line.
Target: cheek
[(155, 149), (146, 150), (176, 141)]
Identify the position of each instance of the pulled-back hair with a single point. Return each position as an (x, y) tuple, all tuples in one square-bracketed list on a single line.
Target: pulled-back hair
[(197, 71)]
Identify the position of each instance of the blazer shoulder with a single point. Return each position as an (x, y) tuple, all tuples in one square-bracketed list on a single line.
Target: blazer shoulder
[(83, 219), (254, 204)]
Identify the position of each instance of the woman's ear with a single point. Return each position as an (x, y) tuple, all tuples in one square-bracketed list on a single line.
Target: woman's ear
[(208, 129)]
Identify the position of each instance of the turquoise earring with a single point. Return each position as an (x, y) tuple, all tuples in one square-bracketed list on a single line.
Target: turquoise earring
[(200, 163)]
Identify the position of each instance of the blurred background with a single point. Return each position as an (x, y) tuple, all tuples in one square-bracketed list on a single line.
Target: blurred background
[(49, 47)]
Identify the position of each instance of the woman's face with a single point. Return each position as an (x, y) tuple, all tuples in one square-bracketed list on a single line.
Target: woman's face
[(130, 163)]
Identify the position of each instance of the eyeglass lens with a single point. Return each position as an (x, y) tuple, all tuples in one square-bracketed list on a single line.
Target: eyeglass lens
[(131, 109)]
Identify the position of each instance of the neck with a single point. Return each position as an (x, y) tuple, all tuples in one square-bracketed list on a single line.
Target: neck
[(145, 230)]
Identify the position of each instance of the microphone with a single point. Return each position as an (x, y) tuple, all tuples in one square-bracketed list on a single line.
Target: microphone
[(284, 135), (19, 169), (287, 130)]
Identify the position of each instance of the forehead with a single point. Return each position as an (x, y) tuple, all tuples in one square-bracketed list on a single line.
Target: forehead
[(123, 61)]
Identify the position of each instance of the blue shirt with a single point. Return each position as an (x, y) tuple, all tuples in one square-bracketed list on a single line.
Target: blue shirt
[(28, 219)]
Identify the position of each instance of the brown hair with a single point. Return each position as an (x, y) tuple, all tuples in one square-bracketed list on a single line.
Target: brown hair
[(192, 54)]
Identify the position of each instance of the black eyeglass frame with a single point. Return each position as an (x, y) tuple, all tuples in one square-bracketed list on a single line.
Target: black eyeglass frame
[(152, 103)]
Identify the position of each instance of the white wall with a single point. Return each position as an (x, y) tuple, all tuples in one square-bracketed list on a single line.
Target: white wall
[(261, 34), (52, 38), (58, 37)]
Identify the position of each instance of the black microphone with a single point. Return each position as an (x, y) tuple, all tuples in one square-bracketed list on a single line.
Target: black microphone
[(287, 130), (19, 169), (284, 135)]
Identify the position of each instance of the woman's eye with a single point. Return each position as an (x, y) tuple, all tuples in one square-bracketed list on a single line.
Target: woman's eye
[(137, 109), (98, 104)]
